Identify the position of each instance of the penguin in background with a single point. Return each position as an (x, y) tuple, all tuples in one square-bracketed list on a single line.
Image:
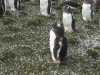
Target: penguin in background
[(45, 8), (2, 7), (87, 11), (14, 4), (58, 43), (68, 20), (71, 4)]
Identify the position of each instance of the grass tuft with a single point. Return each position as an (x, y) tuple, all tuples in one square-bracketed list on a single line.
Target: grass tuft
[(36, 21), (92, 53), (8, 21)]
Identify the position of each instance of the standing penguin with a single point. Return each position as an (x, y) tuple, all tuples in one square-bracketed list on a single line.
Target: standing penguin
[(58, 43), (45, 7), (2, 7), (87, 11), (14, 4), (68, 20)]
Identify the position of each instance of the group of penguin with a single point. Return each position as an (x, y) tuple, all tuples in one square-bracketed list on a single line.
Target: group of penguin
[(14, 5), (58, 40)]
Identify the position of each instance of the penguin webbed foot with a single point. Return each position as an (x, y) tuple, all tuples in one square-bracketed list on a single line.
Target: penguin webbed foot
[(66, 31), (55, 62), (13, 9), (46, 17), (3, 15)]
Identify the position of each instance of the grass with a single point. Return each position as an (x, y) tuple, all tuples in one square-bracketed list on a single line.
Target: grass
[(24, 44)]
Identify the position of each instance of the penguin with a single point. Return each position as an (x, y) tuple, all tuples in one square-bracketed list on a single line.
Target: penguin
[(45, 7), (2, 7), (58, 43), (71, 4), (87, 11), (14, 4), (68, 20)]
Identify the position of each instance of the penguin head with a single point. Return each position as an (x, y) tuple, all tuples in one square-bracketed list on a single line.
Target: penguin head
[(58, 29), (87, 1), (67, 9), (55, 24)]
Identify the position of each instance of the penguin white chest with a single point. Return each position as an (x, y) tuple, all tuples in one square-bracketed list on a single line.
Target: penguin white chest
[(44, 7), (86, 12), (67, 22), (11, 3), (52, 39)]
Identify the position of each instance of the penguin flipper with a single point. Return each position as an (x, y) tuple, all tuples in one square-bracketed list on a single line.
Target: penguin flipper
[(1, 8), (17, 4), (49, 7), (63, 51), (73, 24), (56, 48), (92, 12)]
